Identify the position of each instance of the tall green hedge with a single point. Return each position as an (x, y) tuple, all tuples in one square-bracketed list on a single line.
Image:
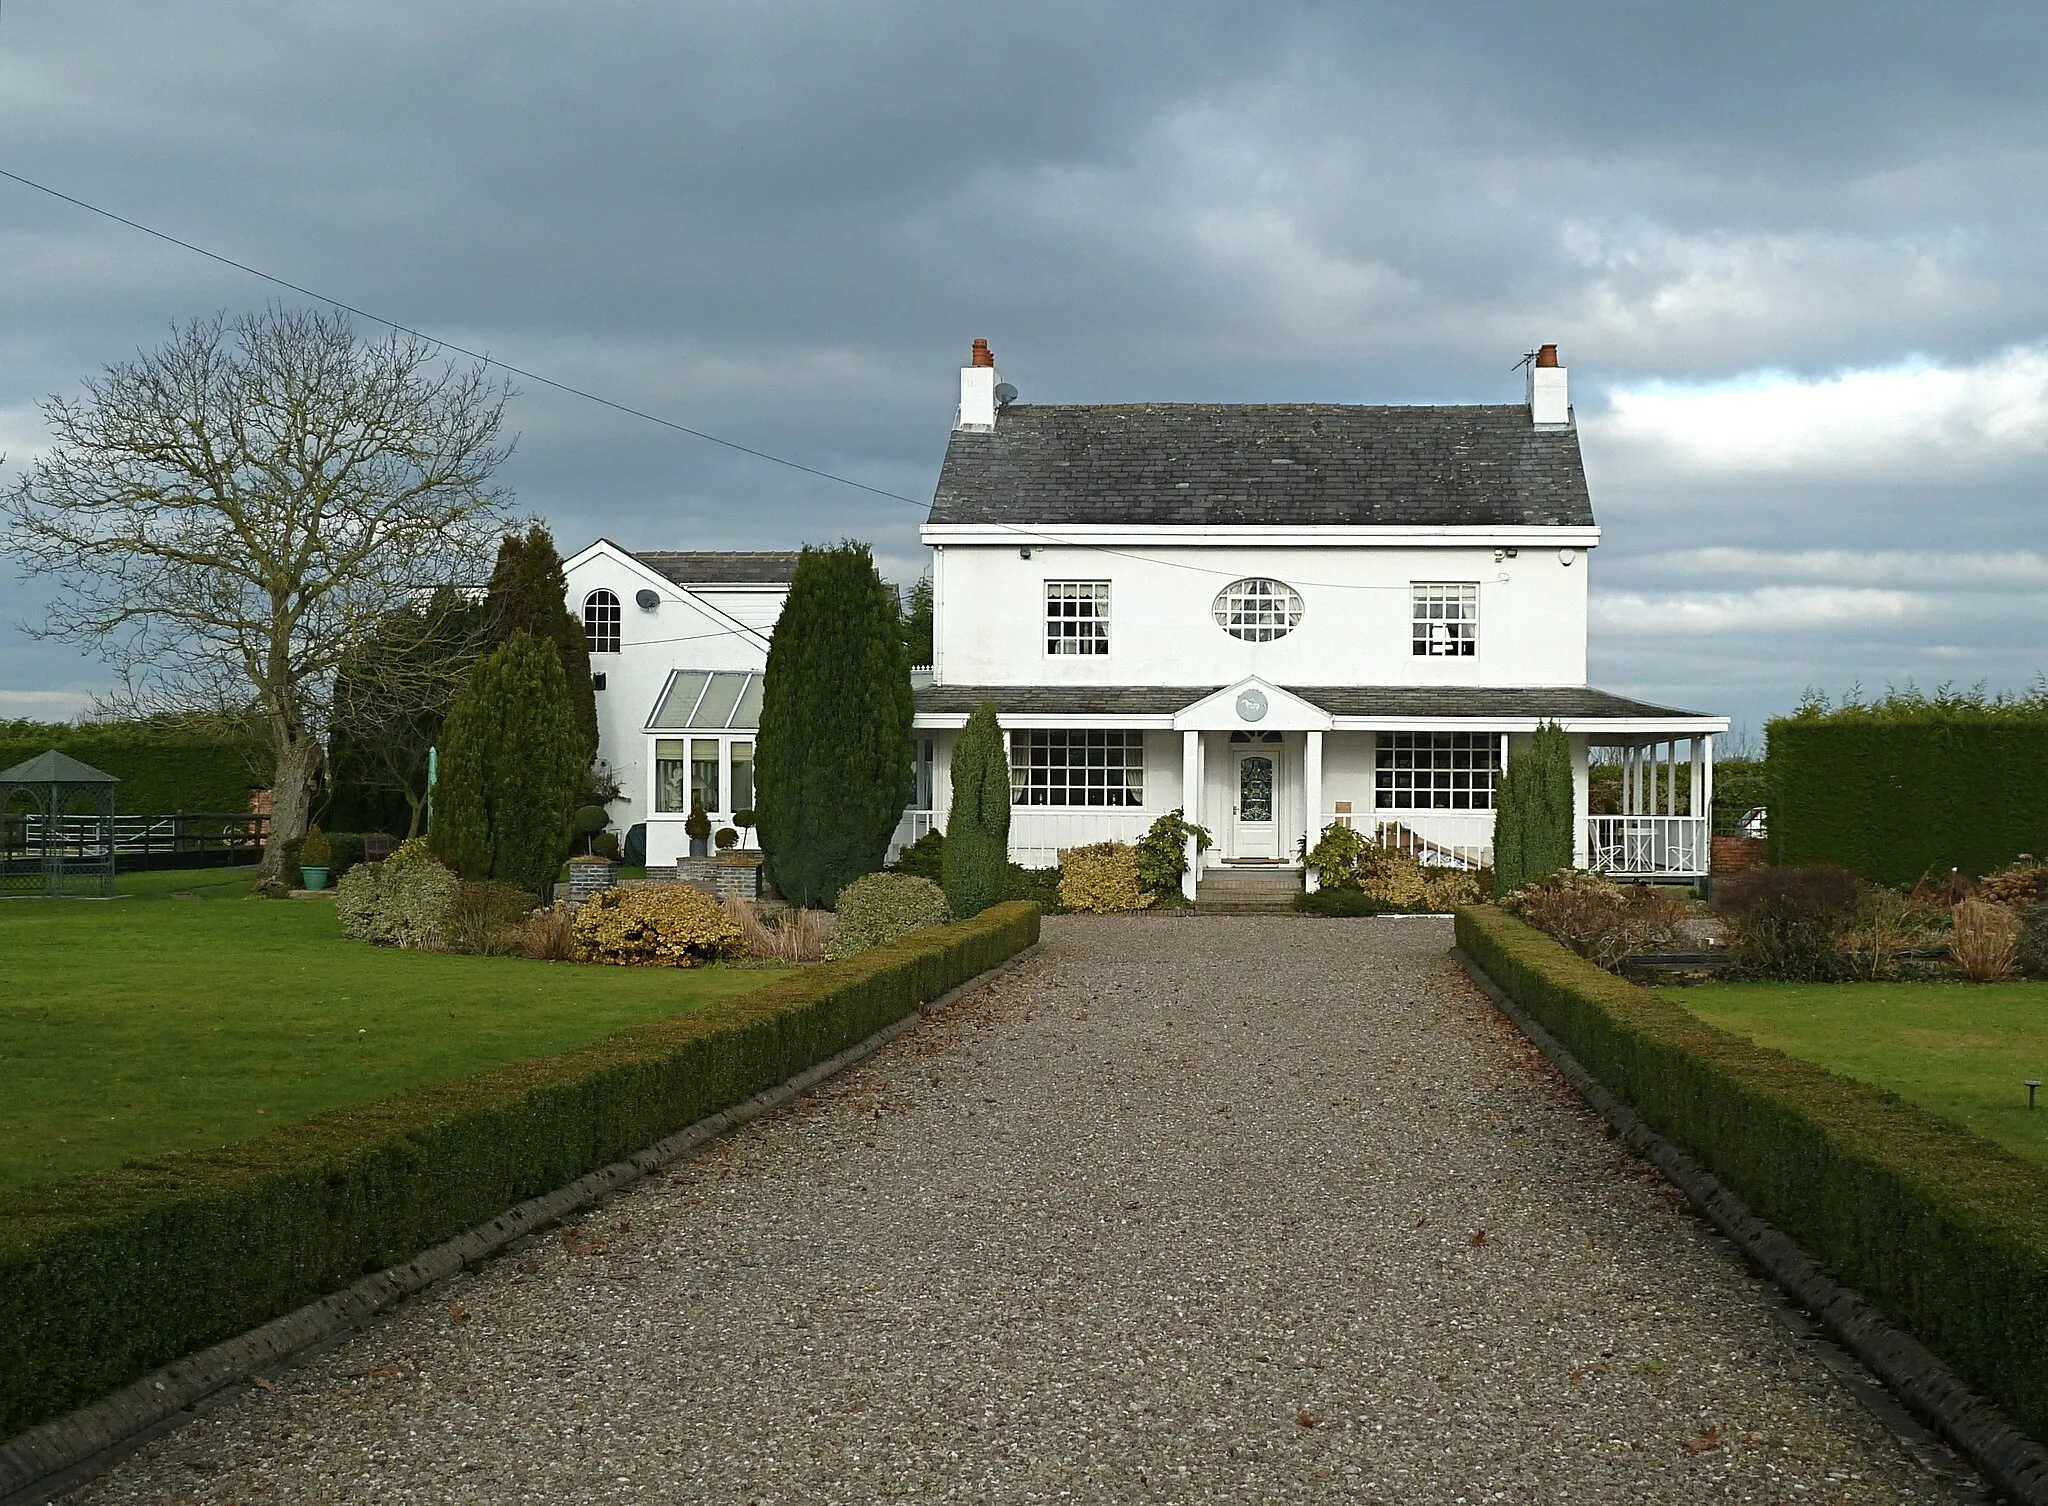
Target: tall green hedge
[(977, 860), (1946, 1232), (1897, 789), (163, 766), (108, 1277), (1532, 819)]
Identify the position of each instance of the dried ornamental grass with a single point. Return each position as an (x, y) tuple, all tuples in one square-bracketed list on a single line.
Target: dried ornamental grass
[(656, 925), (1986, 941), (549, 935), (1102, 879), (485, 918)]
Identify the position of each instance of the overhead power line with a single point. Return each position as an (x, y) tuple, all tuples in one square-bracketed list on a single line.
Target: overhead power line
[(1023, 533)]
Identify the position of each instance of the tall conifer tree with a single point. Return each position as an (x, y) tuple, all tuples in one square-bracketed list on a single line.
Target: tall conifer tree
[(1532, 818), (529, 594), (977, 860), (833, 770), (511, 770)]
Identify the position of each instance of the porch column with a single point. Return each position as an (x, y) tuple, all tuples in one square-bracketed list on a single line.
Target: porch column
[(1312, 794), (1191, 805)]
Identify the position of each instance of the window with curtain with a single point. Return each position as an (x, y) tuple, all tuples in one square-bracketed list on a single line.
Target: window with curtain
[(669, 799), (1077, 768), (704, 772), (1436, 770)]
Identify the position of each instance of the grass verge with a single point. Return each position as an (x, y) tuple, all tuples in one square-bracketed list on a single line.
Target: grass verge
[(1943, 1230), (105, 1278), (185, 1016), (1961, 1050)]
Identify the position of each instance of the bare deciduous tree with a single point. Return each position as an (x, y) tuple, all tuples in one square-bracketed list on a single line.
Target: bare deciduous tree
[(228, 514)]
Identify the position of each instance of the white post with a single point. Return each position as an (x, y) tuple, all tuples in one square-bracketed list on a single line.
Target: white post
[(1707, 800), (1670, 776), (1312, 777), (1191, 805)]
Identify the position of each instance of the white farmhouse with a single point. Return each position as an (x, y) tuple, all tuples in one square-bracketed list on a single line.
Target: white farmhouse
[(1277, 616), (1272, 617)]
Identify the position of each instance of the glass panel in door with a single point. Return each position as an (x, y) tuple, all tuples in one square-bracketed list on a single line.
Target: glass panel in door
[(704, 773)]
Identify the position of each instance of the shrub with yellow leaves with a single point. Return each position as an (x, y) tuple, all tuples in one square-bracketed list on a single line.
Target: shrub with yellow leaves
[(1102, 879), (656, 925)]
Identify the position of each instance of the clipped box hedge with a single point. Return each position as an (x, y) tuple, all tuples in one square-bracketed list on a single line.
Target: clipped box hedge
[(1895, 791), (108, 1277), (1945, 1232)]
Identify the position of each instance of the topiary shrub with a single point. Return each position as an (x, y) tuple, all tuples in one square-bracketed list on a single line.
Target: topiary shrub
[(402, 901), (977, 851), (879, 907), (314, 849), (1102, 879), (485, 918), (587, 822), (1532, 818), (656, 925), (725, 839), (1163, 852), (1786, 922), (697, 825)]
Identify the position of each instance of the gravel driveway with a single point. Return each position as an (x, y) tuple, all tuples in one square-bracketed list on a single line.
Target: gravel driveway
[(1216, 1209)]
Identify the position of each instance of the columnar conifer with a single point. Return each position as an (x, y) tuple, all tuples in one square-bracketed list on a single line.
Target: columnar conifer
[(978, 823), (833, 770), (511, 769), (529, 594), (1532, 819)]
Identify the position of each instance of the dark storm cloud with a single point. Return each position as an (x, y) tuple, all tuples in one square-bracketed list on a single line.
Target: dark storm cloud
[(782, 223)]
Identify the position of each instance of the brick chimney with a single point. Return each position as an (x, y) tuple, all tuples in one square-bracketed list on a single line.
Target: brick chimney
[(1548, 403), (978, 390)]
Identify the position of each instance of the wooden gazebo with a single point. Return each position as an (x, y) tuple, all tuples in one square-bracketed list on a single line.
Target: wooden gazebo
[(56, 827)]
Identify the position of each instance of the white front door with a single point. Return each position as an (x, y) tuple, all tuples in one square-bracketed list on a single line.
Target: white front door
[(1257, 832)]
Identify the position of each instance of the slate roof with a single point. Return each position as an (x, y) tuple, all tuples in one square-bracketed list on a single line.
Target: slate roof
[(1572, 702), (714, 569), (1277, 464)]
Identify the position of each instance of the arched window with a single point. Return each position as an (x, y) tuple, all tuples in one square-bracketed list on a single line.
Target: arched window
[(601, 622)]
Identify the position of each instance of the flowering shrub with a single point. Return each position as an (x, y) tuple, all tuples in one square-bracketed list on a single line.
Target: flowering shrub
[(1102, 879), (1341, 858), (1596, 917), (879, 907), (402, 901), (656, 925)]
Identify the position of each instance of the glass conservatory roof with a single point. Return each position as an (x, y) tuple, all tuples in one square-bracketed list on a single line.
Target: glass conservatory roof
[(705, 700)]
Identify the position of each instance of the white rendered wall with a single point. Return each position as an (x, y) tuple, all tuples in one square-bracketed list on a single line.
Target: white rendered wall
[(678, 634), (1355, 627)]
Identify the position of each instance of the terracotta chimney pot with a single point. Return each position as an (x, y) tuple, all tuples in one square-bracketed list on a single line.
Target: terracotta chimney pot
[(1546, 356), (983, 357)]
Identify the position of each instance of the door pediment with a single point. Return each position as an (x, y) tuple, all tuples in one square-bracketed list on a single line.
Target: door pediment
[(1252, 705)]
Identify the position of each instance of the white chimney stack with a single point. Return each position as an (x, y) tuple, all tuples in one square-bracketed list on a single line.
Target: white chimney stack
[(978, 390), (1548, 403)]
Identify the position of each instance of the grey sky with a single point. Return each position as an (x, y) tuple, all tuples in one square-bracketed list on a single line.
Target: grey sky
[(1793, 256)]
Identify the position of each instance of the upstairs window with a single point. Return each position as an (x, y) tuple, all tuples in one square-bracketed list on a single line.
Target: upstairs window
[(601, 622), (1446, 620), (1077, 617), (1257, 609)]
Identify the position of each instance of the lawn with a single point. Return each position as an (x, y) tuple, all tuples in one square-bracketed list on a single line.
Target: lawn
[(1963, 1050), (187, 1014)]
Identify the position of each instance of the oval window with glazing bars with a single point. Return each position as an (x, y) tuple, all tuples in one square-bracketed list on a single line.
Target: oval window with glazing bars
[(1258, 609)]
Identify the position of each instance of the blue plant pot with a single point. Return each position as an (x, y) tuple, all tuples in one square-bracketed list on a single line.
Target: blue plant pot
[(316, 878)]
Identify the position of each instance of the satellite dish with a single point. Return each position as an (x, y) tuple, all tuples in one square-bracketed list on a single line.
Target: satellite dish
[(646, 600), (1005, 394)]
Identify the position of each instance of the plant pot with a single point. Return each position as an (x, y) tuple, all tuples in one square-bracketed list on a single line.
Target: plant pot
[(315, 878), (700, 847)]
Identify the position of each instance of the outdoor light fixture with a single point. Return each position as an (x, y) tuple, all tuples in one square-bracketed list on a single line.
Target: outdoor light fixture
[(2032, 1083)]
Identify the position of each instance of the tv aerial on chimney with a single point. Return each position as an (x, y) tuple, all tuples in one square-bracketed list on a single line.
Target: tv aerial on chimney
[(1005, 395)]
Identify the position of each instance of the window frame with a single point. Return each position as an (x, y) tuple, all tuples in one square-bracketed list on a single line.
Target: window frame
[(1276, 609), (596, 642), (1450, 778), (1045, 774), (1432, 633), (1090, 644)]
